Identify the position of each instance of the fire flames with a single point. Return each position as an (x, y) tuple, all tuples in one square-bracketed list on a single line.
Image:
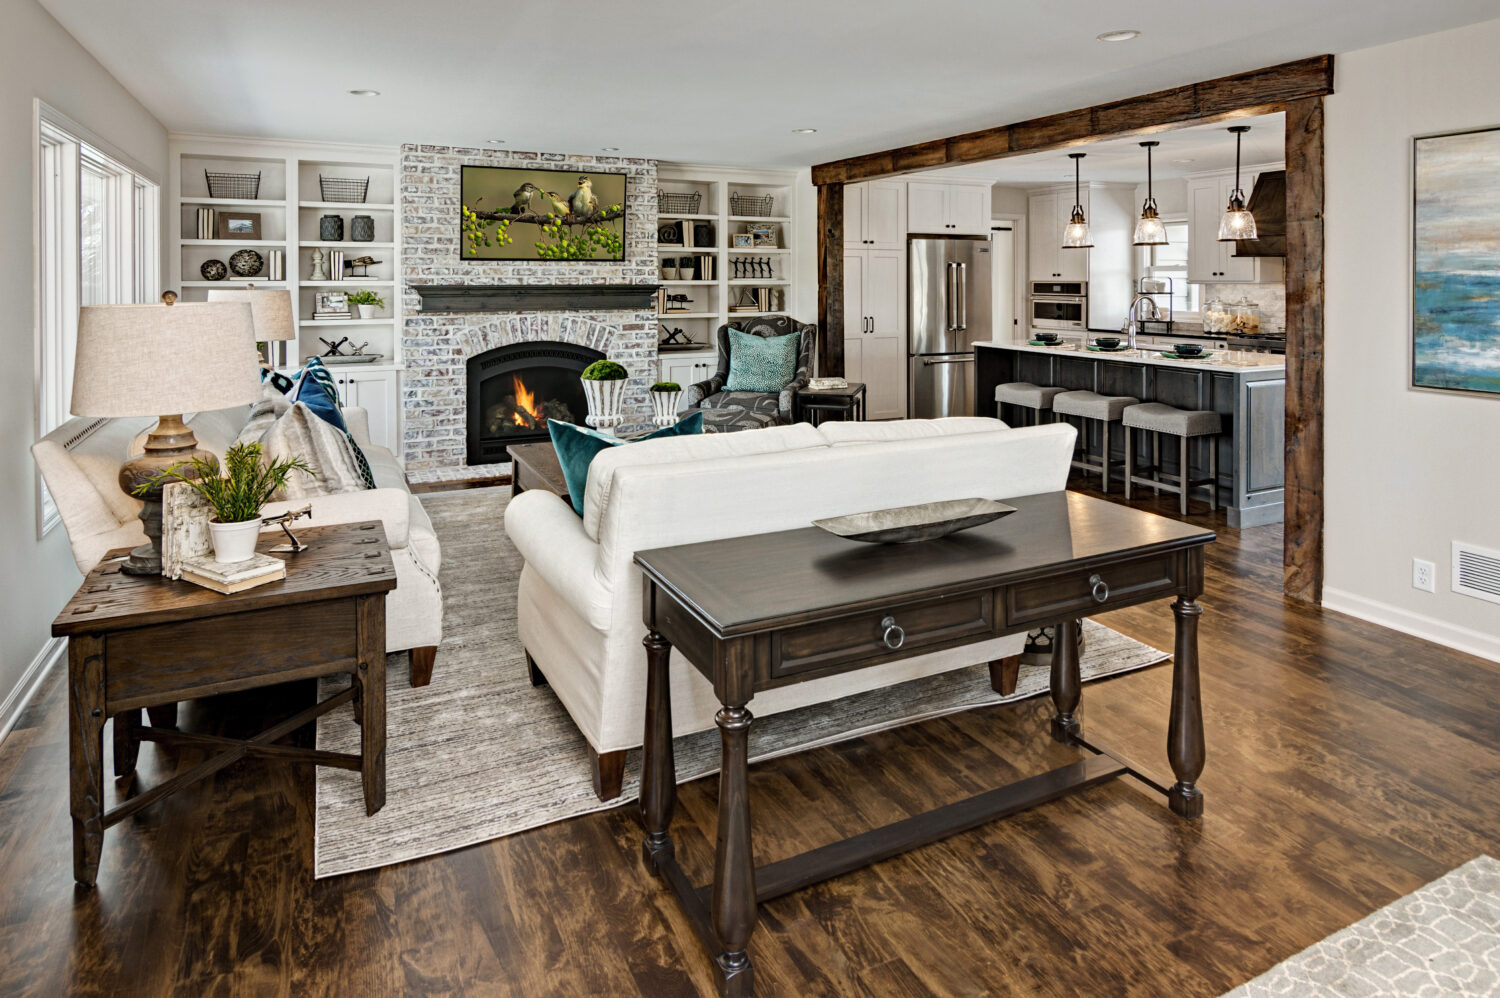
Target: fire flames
[(526, 413)]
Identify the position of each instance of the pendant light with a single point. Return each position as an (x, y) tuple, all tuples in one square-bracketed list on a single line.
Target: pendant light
[(1149, 230), (1076, 233), (1237, 222)]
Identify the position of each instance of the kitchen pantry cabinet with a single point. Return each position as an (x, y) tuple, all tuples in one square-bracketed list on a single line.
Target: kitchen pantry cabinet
[(875, 328), (1213, 262), (875, 215), (947, 209), (1047, 216), (376, 392)]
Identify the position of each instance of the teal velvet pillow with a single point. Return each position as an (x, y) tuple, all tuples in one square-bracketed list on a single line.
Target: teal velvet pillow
[(577, 445), (761, 363)]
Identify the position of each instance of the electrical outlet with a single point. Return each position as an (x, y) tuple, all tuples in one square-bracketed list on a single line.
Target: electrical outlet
[(1422, 575)]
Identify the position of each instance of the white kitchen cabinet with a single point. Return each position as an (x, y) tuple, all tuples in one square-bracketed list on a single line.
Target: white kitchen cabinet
[(947, 209), (377, 392), (875, 215), (1046, 260), (875, 328), (1213, 262), (856, 319)]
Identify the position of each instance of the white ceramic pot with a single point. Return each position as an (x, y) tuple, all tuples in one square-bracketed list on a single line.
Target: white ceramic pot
[(366, 311), (605, 399), (664, 407), (234, 542)]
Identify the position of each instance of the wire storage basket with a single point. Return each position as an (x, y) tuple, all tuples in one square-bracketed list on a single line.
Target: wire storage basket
[(345, 189), (751, 204), (240, 186), (669, 203)]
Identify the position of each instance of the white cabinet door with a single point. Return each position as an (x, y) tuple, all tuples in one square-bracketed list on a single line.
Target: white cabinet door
[(883, 367), (884, 215), (686, 368), (854, 362), (376, 393), (855, 314), (927, 208), (1043, 238), (968, 210), (1205, 253), (854, 214), (885, 291)]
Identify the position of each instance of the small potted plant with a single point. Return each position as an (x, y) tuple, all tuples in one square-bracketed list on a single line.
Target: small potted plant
[(367, 302), (665, 397), (604, 388), (236, 494)]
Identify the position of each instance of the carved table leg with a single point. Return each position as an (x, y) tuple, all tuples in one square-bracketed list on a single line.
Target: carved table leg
[(86, 753), (1066, 686), (127, 741), (658, 768), (370, 647), (1185, 732), (734, 910)]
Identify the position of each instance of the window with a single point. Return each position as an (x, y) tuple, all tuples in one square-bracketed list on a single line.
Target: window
[(98, 243), (1170, 261)]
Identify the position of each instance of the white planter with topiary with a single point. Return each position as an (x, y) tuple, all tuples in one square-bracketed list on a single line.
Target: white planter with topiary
[(666, 396), (604, 388)]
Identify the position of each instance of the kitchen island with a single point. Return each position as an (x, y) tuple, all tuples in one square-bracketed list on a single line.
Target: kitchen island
[(1248, 390)]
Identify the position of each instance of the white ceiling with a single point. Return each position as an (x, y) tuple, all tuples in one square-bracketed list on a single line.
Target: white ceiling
[(705, 82), (1182, 151)]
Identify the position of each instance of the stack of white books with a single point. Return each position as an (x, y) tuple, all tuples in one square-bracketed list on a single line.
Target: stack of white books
[(235, 577)]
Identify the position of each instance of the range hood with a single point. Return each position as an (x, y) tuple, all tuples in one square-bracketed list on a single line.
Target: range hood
[(1268, 205)]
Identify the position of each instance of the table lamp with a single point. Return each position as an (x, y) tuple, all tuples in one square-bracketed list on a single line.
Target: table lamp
[(146, 360), (270, 310)]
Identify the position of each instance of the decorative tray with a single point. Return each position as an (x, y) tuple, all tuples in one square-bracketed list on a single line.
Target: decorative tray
[(1039, 343), (924, 522), (358, 358), (1174, 355), (1098, 349)]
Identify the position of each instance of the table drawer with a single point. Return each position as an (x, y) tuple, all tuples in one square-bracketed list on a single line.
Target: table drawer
[(816, 648), (1074, 595)]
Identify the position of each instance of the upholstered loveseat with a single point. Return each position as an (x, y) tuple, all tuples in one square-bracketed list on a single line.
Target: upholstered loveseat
[(580, 593)]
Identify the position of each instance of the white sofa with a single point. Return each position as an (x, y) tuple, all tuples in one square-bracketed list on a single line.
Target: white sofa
[(580, 593), (80, 462)]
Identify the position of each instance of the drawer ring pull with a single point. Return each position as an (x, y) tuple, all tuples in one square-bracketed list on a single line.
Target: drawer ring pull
[(891, 629), (1100, 587)]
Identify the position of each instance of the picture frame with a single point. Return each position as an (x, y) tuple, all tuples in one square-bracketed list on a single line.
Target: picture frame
[(742, 240), (513, 213), (764, 240), (331, 304), (239, 225), (764, 234)]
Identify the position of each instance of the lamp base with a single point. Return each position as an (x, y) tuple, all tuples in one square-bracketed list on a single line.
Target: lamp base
[(170, 443)]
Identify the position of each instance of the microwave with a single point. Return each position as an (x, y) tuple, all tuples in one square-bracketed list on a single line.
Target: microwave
[(1059, 311)]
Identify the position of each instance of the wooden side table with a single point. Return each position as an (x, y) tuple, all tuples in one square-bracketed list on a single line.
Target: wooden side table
[(145, 642), (535, 466), (849, 402)]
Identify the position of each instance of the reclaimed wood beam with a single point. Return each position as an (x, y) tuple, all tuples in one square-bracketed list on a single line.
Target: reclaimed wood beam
[(831, 280), (1260, 91)]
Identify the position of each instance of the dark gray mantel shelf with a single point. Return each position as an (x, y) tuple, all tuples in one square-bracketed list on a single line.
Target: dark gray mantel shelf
[(534, 297)]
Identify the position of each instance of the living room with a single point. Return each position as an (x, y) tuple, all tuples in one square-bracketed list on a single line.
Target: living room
[(526, 704)]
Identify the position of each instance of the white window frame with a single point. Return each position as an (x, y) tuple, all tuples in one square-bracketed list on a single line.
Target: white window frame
[(63, 150), (1145, 267)]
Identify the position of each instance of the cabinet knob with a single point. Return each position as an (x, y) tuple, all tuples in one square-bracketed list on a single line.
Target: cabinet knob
[(893, 634), (1099, 588)]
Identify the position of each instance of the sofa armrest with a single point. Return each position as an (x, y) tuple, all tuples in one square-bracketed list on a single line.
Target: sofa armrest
[(358, 421), (550, 536), (787, 402), (392, 507)]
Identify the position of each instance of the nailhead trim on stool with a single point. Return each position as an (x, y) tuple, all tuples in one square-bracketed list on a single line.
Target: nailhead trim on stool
[(1185, 424), (1091, 405)]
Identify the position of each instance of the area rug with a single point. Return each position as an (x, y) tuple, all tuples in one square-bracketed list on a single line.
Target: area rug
[(481, 753), (1442, 940)]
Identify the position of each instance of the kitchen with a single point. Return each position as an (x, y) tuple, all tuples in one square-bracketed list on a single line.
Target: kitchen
[(1060, 259)]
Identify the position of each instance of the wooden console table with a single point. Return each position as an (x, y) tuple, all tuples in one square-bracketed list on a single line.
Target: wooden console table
[(145, 642), (754, 613)]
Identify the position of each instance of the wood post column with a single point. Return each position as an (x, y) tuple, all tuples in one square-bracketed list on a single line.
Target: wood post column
[(831, 280)]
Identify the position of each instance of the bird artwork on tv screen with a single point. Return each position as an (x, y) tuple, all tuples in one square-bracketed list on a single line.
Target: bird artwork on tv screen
[(1456, 259), (521, 214)]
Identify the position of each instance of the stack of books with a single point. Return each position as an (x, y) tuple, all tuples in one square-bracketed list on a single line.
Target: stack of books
[(233, 578), (336, 265), (276, 265), (206, 223)]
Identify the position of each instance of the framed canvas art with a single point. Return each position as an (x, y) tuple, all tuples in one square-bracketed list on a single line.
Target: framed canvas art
[(1456, 262), (529, 214)]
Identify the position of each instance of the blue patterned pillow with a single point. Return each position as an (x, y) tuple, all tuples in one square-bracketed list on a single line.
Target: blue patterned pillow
[(761, 363), (577, 445)]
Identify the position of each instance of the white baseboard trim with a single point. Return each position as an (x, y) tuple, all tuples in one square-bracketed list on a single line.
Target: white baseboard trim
[(18, 698), (1463, 639)]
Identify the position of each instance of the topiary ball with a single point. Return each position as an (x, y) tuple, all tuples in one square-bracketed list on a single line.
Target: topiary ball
[(604, 370), (666, 386)]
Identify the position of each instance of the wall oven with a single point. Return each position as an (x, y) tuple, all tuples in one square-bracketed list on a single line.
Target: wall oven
[(1059, 305)]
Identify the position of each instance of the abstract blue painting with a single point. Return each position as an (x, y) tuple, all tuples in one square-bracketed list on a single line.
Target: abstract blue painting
[(1456, 261)]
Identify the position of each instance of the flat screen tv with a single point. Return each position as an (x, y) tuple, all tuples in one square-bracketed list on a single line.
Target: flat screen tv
[(529, 214)]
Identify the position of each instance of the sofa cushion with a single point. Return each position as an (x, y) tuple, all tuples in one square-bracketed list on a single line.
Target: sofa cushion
[(329, 455), (761, 363), (847, 432), (751, 401), (577, 446)]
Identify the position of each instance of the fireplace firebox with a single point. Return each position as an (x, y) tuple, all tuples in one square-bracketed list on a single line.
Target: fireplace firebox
[(514, 390)]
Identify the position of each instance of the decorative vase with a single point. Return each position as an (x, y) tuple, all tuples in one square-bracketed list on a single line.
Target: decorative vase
[(331, 228), (604, 399), (366, 311), (234, 542), (664, 407), (247, 263), (213, 270), (362, 229)]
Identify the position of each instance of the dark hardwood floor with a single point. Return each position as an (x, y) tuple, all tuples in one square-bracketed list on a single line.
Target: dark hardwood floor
[(1347, 765)]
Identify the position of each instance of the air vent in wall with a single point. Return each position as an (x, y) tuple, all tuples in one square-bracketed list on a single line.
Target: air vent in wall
[(1476, 572)]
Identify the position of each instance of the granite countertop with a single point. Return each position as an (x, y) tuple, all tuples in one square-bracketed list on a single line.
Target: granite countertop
[(1233, 361)]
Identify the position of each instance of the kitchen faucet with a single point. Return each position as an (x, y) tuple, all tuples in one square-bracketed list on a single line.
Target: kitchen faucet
[(1132, 321)]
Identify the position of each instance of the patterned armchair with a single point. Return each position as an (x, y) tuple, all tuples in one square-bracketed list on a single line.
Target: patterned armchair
[(726, 412)]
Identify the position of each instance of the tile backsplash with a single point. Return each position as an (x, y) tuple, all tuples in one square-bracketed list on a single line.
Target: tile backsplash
[(1270, 297)]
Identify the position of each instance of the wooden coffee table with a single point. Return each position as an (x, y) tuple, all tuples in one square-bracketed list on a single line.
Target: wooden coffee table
[(145, 642), (534, 466)]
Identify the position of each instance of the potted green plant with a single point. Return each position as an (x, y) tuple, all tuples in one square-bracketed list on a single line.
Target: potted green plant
[(367, 302), (665, 397), (604, 388), (236, 493)]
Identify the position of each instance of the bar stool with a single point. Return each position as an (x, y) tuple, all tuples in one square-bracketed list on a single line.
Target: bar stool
[(1091, 405), (1027, 396), (1185, 424)]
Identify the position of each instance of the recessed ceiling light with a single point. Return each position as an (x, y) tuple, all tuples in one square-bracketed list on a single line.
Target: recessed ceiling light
[(364, 93), (1122, 35), (610, 148), (803, 131), (494, 142)]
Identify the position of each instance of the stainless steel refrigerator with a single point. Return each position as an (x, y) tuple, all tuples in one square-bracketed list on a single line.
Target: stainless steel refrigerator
[(949, 297)]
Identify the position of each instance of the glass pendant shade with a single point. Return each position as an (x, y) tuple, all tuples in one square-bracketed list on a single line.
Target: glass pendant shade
[(1237, 222), (1076, 232), (1149, 228)]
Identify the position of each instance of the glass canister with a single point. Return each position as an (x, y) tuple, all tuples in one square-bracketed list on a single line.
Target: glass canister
[(1215, 316), (1244, 316)]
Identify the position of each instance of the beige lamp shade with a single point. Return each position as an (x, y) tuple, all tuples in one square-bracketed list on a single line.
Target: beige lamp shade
[(271, 310), (151, 360)]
